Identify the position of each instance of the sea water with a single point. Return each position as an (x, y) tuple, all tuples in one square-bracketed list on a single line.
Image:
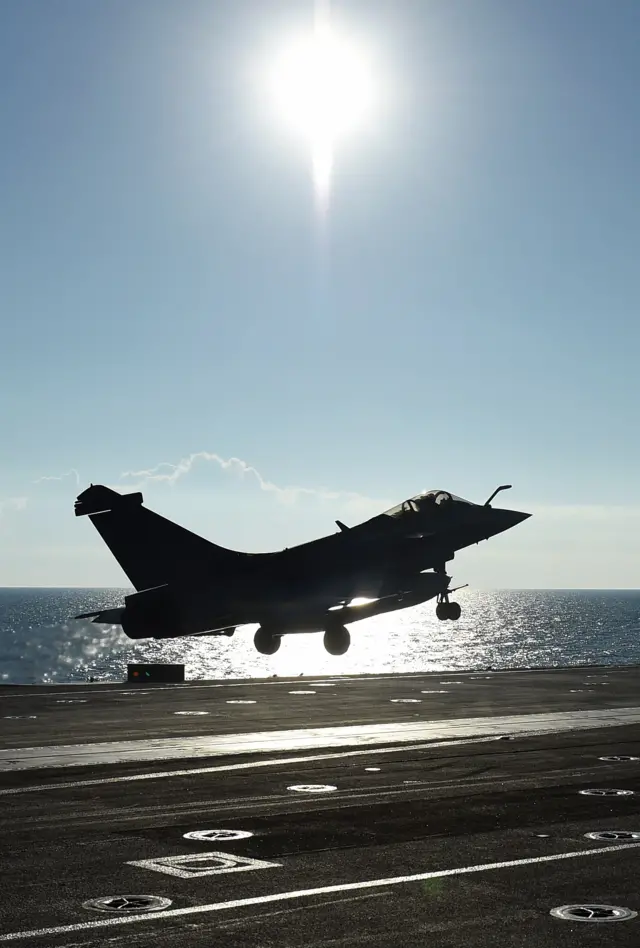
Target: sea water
[(40, 642)]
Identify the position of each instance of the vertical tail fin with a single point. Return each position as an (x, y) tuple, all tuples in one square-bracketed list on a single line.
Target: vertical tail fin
[(151, 550)]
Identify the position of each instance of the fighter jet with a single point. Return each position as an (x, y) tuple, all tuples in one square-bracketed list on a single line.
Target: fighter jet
[(186, 585)]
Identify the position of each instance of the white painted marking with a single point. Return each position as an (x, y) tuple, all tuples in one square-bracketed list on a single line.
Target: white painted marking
[(405, 700), (398, 677), (613, 834), (452, 683), (618, 913), (312, 788), (308, 893), (302, 692), (261, 916), (71, 701), (202, 864), (441, 691), (115, 752), (240, 701), (127, 903), (616, 758), (274, 762), (372, 769), (20, 717), (222, 835), (608, 792), (191, 712)]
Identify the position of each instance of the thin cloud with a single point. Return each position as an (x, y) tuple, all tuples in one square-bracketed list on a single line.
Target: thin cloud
[(12, 503), (169, 473), (59, 477)]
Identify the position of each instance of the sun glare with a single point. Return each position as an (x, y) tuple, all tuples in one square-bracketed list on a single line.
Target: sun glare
[(322, 88)]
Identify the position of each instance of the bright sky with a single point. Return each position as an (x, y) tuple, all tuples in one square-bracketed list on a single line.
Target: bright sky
[(366, 250)]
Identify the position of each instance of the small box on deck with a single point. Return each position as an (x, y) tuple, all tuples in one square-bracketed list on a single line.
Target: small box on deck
[(148, 674)]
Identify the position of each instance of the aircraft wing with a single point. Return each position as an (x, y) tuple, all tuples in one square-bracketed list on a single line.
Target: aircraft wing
[(108, 616)]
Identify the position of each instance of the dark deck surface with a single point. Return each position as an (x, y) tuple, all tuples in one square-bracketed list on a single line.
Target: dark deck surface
[(440, 795)]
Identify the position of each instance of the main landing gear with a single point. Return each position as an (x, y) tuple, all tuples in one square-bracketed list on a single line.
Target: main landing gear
[(337, 640), (266, 642)]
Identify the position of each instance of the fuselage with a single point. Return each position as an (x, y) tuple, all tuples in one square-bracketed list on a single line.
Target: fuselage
[(189, 586), (380, 558)]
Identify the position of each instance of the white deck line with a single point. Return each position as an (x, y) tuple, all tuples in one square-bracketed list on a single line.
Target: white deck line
[(259, 742), (298, 894)]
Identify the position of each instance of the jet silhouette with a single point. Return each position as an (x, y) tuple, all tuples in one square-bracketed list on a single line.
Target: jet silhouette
[(187, 585)]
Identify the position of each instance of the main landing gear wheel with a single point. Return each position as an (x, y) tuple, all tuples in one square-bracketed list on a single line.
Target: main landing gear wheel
[(265, 642), (337, 640), (448, 610)]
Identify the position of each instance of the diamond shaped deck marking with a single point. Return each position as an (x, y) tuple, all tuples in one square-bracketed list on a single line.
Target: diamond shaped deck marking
[(197, 865)]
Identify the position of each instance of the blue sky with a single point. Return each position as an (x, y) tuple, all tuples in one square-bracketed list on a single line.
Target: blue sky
[(464, 315)]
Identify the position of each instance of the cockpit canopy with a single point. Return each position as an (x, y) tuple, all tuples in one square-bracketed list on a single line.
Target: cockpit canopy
[(425, 503)]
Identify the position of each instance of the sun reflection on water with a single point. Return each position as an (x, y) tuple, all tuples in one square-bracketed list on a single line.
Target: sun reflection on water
[(498, 629)]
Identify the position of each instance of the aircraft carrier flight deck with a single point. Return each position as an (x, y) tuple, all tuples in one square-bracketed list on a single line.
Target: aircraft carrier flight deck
[(486, 808)]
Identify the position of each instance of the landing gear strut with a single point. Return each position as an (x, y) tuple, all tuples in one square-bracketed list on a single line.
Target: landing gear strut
[(446, 609), (266, 642)]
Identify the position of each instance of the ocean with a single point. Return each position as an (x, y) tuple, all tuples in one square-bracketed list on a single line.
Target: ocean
[(499, 629)]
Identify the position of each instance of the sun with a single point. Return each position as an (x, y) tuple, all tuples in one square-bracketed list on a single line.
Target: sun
[(322, 86)]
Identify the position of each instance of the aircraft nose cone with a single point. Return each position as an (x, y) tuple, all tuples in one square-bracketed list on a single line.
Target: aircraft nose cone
[(501, 520)]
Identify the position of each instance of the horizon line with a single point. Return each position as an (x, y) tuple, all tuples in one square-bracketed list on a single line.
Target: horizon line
[(478, 588)]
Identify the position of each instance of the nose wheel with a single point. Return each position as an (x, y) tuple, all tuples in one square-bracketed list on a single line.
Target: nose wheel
[(448, 610)]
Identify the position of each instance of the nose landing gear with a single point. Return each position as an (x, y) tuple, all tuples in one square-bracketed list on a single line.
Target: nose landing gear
[(446, 609)]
